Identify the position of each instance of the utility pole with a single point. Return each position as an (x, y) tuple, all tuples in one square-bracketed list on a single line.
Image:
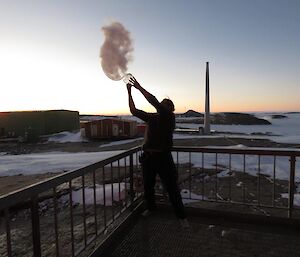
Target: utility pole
[(207, 110)]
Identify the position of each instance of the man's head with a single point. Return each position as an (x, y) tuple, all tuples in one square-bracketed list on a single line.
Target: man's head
[(168, 104)]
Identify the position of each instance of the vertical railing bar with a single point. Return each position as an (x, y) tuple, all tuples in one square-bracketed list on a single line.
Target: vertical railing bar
[(203, 176), (104, 197), (55, 222), (95, 202), (274, 177), (137, 170), (119, 180), (125, 176), (258, 182), (216, 178), (244, 174), (230, 178), (35, 218), (139, 173), (71, 218), (190, 175), (177, 162), (112, 191), (131, 180), (8, 234), (84, 210), (291, 185), (177, 169)]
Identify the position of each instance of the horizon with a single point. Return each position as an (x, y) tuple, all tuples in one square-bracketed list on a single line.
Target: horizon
[(50, 55), (128, 114)]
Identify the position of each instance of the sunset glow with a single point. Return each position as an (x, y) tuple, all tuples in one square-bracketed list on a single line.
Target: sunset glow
[(50, 55)]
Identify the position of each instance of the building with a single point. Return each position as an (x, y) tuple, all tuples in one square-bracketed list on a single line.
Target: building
[(141, 129), (37, 123), (108, 128)]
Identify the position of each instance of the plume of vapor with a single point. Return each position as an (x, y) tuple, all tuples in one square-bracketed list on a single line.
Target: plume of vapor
[(116, 50)]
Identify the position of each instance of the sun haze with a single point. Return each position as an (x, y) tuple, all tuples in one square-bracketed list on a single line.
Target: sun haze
[(50, 54)]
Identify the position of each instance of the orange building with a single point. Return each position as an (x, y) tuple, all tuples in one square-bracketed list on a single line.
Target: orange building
[(108, 128)]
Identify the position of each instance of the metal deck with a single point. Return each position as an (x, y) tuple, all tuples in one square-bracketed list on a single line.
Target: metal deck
[(160, 235)]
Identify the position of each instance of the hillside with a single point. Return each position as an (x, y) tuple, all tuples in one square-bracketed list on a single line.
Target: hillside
[(224, 118)]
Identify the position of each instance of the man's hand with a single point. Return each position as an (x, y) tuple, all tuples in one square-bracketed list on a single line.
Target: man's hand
[(134, 83)]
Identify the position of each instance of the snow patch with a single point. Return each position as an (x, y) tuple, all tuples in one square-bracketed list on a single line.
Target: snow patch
[(28, 164), (112, 193), (66, 136), (121, 142), (190, 197), (239, 184), (296, 198), (223, 174)]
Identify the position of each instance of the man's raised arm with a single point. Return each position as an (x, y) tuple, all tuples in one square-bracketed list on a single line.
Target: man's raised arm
[(130, 100), (135, 112), (150, 98)]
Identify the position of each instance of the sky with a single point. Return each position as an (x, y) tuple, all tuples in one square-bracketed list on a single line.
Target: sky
[(49, 54)]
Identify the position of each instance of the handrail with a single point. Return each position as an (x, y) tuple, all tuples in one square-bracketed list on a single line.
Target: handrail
[(291, 154), (32, 192), (10, 203), (29, 191), (20, 195), (230, 150)]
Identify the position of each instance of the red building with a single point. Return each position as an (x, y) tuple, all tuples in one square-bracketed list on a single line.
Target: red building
[(110, 128), (141, 129)]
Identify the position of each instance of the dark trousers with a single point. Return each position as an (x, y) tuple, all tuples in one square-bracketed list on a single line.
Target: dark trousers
[(154, 163)]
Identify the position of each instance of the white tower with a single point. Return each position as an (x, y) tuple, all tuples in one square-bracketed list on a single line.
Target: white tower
[(207, 111)]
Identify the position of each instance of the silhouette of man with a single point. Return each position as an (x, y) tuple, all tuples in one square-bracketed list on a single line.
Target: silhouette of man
[(157, 157)]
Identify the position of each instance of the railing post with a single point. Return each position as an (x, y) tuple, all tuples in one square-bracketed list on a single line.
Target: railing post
[(131, 192), (35, 218), (291, 185), (8, 236)]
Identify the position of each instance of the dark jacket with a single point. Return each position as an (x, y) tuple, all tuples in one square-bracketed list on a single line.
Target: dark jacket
[(159, 133)]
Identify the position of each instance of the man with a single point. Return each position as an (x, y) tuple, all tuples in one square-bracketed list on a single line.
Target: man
[(157, 157)]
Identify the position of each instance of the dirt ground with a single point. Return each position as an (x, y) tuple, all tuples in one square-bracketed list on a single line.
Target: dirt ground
[(12, 183)]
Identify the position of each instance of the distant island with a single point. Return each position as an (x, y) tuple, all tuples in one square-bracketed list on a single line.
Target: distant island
[(292, 113), (223, 118), (278, 116)]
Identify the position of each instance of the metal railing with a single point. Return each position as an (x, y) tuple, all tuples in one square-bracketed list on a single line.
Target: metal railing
[(64, 215), (254, 177)]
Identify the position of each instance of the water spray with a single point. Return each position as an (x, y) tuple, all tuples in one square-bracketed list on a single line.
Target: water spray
[(116, 52)]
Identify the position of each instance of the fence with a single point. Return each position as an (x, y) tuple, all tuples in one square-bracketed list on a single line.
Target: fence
[(65, 215), (265, 180)]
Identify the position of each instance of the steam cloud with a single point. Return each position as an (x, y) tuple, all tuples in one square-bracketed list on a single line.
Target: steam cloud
[(116, 50)]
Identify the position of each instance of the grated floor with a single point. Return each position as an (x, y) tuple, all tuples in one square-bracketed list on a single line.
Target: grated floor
[(160, 235)]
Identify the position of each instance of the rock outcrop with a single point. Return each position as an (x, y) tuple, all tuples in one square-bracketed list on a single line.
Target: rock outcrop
[(224, 118)]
